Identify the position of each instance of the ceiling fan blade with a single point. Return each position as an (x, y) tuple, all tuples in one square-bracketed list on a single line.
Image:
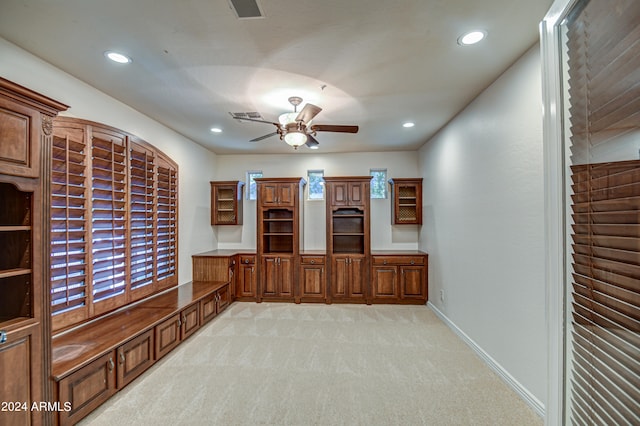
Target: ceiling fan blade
[(333, 128), (308, 112), (263, 137), (312, 142)]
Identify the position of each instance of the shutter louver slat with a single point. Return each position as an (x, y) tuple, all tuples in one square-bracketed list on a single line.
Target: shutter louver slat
[(68, 277), (141, 225)]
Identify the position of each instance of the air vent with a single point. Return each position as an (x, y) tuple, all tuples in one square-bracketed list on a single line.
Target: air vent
[(252, 114), (246, 9)]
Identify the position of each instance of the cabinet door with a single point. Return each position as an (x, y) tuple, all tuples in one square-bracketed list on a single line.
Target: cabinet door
[(312, 281), (167, 335), (224, 205), (208, 308), (286, 194), (269, 193), (246, 281), (385, 282), (357, 194), (16, 382), (87, 388), (134, 357), (224, 298), (356, 277), (339, 193), (269, 274), (412, 282), (19, 141), (190, 320), (339, 277), (285, 266)]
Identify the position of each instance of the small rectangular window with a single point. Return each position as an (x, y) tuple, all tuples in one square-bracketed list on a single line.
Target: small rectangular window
[(315, 180), (252, 188), (378, 183)]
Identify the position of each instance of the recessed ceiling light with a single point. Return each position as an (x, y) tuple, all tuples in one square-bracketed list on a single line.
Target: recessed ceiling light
[(472, 37), (216, 130), (408, 124), (117, 57)]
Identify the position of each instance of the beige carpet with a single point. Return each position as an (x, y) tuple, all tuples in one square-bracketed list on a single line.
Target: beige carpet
[(286, 364)]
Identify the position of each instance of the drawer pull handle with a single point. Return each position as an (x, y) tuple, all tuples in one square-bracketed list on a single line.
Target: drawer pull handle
[(111, 364), (413, 262), (122, 358), (384, 262), (313, 261), (3, 336)]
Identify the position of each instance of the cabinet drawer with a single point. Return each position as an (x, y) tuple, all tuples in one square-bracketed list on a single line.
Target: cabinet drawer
[(398, 260), (167, 335), (247, 259), (134, 357), (312, 260), (87, 388)]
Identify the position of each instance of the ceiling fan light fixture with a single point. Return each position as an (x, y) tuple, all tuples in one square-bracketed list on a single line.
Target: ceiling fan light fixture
[(287, 118), (295, 138)]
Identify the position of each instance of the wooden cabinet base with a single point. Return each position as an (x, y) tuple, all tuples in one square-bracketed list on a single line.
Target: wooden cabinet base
[(87, 388)]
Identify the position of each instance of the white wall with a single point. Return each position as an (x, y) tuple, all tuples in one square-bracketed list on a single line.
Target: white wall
[(296, 164), (484, 223), (195, 163)]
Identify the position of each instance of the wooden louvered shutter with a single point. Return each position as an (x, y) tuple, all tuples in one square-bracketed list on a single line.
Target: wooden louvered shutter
[(69, 289), (167, 223), (141, 220), (108, 219), (603, 67)]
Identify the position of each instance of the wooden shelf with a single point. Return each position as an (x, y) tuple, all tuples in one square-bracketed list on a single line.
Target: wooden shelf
[(15, 272), (11, 228)]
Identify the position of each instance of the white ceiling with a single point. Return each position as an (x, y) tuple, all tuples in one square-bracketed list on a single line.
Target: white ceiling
[(381, 62)]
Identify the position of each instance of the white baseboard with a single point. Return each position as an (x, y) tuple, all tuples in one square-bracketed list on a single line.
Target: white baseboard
[(527, 396)]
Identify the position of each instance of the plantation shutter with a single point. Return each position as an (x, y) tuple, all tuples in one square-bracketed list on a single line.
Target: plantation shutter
[(108, 230), (69, 290), (167, 223), (141, 224), (603, 51)]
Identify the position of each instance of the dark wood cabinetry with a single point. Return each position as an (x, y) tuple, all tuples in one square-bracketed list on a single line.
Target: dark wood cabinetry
[(399, 278), (406, 201), (246, 279), (312, 278), (279, 231), (134, 357), (348, 238), (226, 202), (25, 140)]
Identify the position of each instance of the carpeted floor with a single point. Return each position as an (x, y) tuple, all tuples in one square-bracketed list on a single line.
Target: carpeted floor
[(287, 364)]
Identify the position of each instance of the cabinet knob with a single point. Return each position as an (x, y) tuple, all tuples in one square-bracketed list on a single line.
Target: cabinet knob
[(384, 262), (246, 261), (313, 261), (413, 262), (3, 336)]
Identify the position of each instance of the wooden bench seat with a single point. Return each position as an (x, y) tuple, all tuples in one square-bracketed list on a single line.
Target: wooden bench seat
[(93, 361)]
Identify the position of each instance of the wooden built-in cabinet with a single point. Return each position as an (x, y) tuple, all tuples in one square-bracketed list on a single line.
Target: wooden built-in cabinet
[(406, 201), (279, 233), (312, 278), (348, 238), (246, 279), (25, 139), (399, 277), (102, 357), (226, 202)]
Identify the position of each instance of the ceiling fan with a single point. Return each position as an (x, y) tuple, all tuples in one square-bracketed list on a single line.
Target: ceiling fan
[(296, 129)]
